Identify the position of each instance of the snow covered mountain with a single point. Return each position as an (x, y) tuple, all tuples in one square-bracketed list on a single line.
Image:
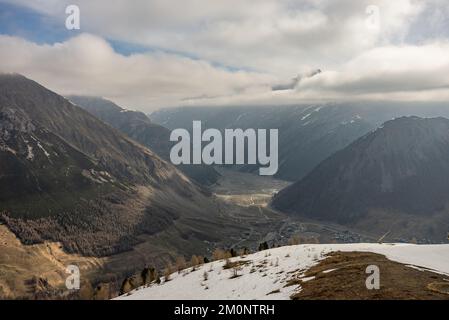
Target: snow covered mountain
[(291, 271), (308, 134)]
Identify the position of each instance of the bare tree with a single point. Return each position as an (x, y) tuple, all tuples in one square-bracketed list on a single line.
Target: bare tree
[(181, 263)]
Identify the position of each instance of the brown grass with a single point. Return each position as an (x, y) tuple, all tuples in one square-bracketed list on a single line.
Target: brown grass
[(235, 264), (347, 282)]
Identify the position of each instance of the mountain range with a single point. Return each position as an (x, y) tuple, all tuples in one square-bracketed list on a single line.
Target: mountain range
[(140, 128), (308, 133), (392, 179), (67, 176), (91, 181)]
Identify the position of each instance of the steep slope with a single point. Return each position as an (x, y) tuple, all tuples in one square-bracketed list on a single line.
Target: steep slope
[(396, 174), (36, 161), (135, 124), (140, 128), (308, 134), (67, 176)]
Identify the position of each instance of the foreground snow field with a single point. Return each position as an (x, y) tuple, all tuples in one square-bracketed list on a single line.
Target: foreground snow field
[(263, 275)]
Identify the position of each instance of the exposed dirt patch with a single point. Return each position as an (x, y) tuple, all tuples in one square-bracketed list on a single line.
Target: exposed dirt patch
[(440, 287), (28, 270), (235, 264), (342, 276), (274, 292)]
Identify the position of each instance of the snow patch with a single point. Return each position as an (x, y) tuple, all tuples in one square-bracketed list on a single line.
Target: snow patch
[(307, 279), (99, 177), (329, 271), (264, 274), (43, 149), (8, 149), (30, 154), (240, 116)]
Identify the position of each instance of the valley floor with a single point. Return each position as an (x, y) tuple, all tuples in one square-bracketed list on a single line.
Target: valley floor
[(245, 219), (253, 194)]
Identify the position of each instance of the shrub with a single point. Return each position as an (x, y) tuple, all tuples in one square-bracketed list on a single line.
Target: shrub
[(235, 271)]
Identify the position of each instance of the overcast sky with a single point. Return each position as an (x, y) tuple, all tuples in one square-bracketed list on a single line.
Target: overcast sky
[(148, 54)]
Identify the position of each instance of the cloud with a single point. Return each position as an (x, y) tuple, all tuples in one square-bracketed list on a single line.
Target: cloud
[(87, 65), (282, 37), (389, 69), (194, 46)]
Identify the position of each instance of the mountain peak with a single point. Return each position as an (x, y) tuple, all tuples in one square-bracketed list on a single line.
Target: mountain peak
[(86, 184), (380, 174)]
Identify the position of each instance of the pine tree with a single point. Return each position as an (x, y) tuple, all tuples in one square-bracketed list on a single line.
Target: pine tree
[(263, 246)]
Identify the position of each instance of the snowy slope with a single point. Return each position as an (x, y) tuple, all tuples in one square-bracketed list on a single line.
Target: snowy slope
[(266, 272)]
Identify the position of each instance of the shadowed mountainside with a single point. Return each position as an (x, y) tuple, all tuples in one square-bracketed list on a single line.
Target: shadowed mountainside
[(140, 128), (308, 134), (395, 178), (67, 176)]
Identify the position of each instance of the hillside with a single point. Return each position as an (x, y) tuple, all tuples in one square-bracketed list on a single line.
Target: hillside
[(293, 272), (67, 176), (140, 128), (393, 179), (75, 189)]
